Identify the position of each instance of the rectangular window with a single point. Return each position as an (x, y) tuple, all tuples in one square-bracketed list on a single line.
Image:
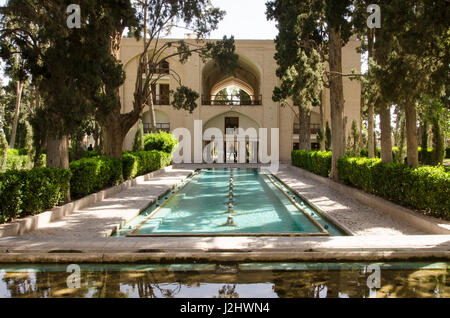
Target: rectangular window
[(164, 94)]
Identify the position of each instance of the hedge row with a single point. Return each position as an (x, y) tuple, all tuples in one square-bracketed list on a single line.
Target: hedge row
[(25, 192), (90, 175), (93, 174), (142, 162), (425, 157), (318, 162), (424, 188)]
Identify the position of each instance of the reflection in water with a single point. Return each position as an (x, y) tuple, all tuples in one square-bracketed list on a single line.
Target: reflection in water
[(167, 284)]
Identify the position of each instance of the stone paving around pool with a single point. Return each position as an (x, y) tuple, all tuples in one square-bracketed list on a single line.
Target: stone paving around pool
[(85, 230)]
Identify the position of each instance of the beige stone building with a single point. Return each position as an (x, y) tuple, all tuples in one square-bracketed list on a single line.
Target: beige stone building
[(255, 76)]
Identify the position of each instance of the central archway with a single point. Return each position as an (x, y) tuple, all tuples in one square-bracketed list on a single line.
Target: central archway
[(229, 123), (247, 77)]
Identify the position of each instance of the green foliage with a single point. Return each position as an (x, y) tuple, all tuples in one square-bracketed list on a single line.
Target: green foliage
[(353, 145), (142, 162), (426, 156), (18, 160), (161, 141), (82, 154), (28, 192), (90, 175), (318, 162), (425, 188), (185, 98)]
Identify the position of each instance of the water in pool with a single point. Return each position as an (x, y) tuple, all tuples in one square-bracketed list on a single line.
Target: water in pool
[(230, 201), (274, 280)]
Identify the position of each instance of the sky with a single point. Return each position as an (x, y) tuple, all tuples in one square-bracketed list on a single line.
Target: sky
[(245, 19)]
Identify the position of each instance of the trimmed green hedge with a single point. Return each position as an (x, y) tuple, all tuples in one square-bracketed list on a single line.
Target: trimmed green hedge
[(141, 162), (318, 162), (161, 141), (27, 192), (424, 188), (90, 175)]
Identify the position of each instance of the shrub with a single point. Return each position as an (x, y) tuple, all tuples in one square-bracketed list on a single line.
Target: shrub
[(18, 160), (161, 141), (90, 175), (141, 162), (318, 162), (82, 154), (447, 153), (426, 156), (28, 192), (424, 188)]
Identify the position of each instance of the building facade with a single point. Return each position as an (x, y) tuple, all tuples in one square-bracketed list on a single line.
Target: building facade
[(222, 108)]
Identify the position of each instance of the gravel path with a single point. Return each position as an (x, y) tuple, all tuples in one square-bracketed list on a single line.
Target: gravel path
[(359, 218)]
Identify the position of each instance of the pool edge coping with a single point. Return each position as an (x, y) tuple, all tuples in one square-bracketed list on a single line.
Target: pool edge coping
[(217, 256)]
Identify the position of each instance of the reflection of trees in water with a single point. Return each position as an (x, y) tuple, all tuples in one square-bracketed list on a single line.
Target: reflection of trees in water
[(228, 291), (353, 283), (349, 282), (414, 284)]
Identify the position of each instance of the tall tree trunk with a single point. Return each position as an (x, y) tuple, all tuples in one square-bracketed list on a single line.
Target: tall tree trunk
[(371, 131), (322, 122), (150, 103), (386, 134), (402, 137), (152, 113), (19, 89), (438, 141), (3, 144), (371, 112), (336, 100), (57, 151), (397, 126), (113, 138), (304, 137), (411, 134), (58, 154)]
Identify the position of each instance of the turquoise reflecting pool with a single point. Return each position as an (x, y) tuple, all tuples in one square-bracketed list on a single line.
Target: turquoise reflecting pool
[(227, 202), (251, 280)]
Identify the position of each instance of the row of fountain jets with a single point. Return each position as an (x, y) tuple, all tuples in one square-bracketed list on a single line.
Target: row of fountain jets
[(231, 210)]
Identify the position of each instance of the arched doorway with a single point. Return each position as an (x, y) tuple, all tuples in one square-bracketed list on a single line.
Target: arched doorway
[(240, 138)]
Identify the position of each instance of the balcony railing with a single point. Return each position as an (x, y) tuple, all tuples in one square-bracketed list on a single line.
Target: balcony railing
[(160, 70), (231, 100), (161, 100), (314, 129), (159, 127)]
